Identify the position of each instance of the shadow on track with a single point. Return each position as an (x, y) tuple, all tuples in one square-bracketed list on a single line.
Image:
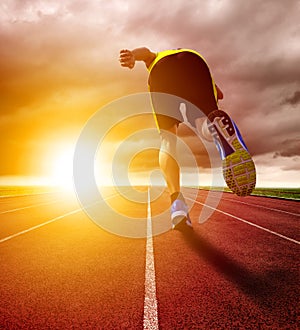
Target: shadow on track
[(272, 289)]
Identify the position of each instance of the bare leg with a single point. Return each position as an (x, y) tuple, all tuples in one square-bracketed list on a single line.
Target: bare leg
[(171, 172), (167, 161)]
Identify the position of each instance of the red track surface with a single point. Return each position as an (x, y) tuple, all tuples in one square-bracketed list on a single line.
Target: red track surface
[(225, 274)]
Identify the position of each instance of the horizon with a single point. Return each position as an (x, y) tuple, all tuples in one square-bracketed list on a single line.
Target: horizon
[(46, 182)]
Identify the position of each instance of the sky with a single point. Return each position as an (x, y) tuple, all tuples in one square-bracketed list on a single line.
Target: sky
[(59, 66)]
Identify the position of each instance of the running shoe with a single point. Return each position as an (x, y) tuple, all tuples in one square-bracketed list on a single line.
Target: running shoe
[(238, 167), (179, 212), (202, 129)]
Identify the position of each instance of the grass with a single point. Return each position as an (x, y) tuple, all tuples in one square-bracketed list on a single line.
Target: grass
[(290, 193)]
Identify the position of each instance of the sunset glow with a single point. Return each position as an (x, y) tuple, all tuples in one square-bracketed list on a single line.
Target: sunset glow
[(60, 66), (62, 171)]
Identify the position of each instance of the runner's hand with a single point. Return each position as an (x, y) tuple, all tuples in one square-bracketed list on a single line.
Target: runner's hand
[(126, 58)]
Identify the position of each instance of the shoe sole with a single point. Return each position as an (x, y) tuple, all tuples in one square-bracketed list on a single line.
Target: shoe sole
[(238, 167), (178, 221)]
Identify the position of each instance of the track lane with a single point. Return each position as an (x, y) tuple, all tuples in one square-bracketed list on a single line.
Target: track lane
[(16, 221), (276, 220), (272, 203), (278, 227), (72, 274), (24, 217), (18, 201), (268, 208), (225, 274), (28, 207)]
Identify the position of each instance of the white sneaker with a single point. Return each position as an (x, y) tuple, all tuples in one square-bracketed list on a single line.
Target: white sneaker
[(179, 212)]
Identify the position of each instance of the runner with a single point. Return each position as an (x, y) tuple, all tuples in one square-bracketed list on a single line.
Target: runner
[(184, 74)]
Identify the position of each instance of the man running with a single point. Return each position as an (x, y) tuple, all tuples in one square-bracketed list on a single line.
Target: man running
[(185, 75)]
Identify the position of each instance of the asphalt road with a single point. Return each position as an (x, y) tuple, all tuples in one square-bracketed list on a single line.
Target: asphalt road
[(238, 269)]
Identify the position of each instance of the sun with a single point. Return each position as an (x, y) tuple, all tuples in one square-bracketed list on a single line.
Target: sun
[(62, 169)]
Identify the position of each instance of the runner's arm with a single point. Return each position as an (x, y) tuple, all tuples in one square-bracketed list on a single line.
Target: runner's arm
[(127, 57)]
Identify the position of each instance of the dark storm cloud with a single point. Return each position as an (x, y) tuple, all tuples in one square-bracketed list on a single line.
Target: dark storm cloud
[(288, 148), (253, 51), (293, 100)]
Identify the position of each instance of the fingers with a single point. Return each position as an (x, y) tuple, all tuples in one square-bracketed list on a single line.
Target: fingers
[(124, 51), (126, 58), (125, 55)]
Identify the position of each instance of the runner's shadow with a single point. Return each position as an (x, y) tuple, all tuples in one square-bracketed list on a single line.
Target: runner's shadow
[(269, 289)]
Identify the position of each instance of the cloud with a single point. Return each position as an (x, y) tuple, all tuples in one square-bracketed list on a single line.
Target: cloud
[(60, 64), (293, 100), (50, 48), (294, 165), (288, 148)]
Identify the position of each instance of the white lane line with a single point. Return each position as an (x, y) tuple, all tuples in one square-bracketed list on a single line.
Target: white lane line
[(150, 302), (262, 207), (27, 207), (50, 221), (259, 206), (248, 222), (38, 226)]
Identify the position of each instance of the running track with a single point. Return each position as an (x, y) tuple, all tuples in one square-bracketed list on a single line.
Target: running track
[(238, 270)]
